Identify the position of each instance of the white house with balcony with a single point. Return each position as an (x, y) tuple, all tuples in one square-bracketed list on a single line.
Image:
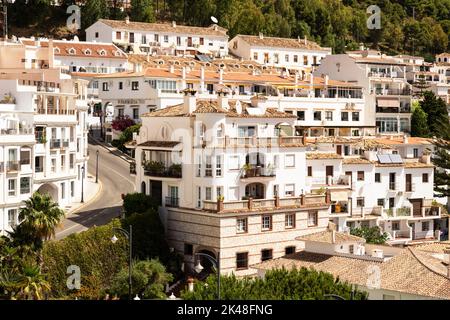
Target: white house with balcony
[(160, 38), (44, 130), (296, 55), (229, 177)]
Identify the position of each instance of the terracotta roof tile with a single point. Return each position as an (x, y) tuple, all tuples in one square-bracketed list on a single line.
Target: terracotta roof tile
[(281, 42), (322, 155), (327, 237)]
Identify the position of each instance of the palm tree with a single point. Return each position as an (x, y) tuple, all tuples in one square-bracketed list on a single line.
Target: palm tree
[(40, 217), (32, 283)]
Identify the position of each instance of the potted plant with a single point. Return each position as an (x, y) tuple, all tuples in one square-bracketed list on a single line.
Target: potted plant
[(154, 167), (175, 169)]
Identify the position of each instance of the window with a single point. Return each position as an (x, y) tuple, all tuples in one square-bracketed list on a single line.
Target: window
[(360, 202), (12, 217), (309, 171), (208, 193), (317, 115), (120, 85), (380, 202), (275, 190), (72, 188), (415, 153), (377, 177), (289, 250), (25, 156), (105, 86), (426, 226), (156, 37), (178, 41), (242, 260), (166, 38), (286, 58), (188, 249), (289, 161), (266, 222), (72, 160), (355, 116), (312, 218), (276, 58), (134, 85), (425, 177), (395, 225), (120, 112), (96, 34), (241, 225), (219, 191), (301, 115), (118, 35), (12, 187), (255, 55), (218, 166), (199, 197), (266, 254), (25, 185), (329, 115), (289, 190), (295, 58), (391, 202), (289, 220), (344, 116), (63, 190), (208, 167), (135, 113), (360, 176)]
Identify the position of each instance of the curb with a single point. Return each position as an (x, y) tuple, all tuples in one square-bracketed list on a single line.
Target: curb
[(95, 197)]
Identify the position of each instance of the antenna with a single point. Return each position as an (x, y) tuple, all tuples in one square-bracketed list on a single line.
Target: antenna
[(214, 19)]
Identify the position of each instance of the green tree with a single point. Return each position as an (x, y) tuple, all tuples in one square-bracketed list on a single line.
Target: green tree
[(419, 124), (40, 216), (138, 203), (441, 160), (142, 11), (371, 234), (437, 114), (149, 278), (277, 284), (92, 11)]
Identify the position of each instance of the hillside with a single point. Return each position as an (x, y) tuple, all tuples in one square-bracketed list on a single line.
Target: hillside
[(420, 27)]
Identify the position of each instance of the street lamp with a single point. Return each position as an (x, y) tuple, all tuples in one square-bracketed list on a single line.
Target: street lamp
[(199, 268), (129, 236), (82, 184), (96, 168)]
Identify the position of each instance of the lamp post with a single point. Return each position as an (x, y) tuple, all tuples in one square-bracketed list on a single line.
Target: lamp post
[(82, 184), (96, 168), (198, 268), (129, 236)]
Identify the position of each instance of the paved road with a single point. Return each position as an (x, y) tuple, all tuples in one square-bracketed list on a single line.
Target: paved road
[(114, 174)]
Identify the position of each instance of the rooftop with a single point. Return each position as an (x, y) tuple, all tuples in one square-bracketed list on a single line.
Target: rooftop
[(327, 237), (264, 41)]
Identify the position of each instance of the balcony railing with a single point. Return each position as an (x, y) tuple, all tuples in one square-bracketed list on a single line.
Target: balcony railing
[(257, 171), (433, 211), (159, 169), (12, 166), (309, 200), (172, 202), (401, 234), (259, 141), (16, 131), (54, 111), (55, 143), (65, 143)]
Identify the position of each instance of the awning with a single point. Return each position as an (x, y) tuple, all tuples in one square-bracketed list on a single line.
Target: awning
[(339, 196), (392, 103)]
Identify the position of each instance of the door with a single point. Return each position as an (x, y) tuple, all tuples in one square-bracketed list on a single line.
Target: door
[(328, 172), (339, 150), (131, 37), (416, 206), (408, 183), (156, 191), (189, 41), (392, 181)]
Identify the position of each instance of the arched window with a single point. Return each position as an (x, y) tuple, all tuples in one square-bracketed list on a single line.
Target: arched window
[(143, 187)]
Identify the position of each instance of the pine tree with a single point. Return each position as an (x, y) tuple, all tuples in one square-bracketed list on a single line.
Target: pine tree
[(142, 11), (419, 124), (441, 160), (92, 11), (437, 114)]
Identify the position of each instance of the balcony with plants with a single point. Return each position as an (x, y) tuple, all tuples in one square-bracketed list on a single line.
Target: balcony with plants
[(160, 169)]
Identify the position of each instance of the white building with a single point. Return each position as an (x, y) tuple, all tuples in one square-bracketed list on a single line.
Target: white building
[(293, 54), (160, 38), (229, 178), (384, 80), (43, 145)]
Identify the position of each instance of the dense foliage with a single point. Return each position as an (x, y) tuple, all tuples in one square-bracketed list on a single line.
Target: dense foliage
[(126, 135), (371, 234), (278, 284), (441, 160), (138, 203), (410, 26)]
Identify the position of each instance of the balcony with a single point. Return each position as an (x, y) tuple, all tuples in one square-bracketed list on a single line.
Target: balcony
[(159, 169), (392, 92), (254, 142), (12, 166), (172, 202), (19, 131), (330, 181), (55, 143), (254, 171), (400, 235), (54, 111), (305, 201), (397, 212), (339, 207)]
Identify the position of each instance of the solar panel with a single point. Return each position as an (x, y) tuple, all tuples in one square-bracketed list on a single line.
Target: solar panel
[(384, 158), (395, 158), (203, 58)]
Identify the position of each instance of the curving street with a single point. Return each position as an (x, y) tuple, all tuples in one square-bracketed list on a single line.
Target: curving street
[(115, 177)]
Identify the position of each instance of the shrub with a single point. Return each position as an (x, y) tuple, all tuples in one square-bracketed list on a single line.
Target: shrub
[(138, 203)]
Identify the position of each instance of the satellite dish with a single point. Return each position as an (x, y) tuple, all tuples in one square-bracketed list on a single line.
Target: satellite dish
[(76, 39), (214, 19)]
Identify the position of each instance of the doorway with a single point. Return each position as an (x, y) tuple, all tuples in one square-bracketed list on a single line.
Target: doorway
[(156, 191)]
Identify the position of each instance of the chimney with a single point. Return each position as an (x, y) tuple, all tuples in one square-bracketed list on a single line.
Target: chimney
[(190, 101), (305, 40), (202, 79), (326, 78), (183, 77), (222, 99), (137, 67), (333, 236), (50, 53), (261, 36), (220, 76), (127, 19), (405, 139), (447, 252), (171, 68), (174, 24)]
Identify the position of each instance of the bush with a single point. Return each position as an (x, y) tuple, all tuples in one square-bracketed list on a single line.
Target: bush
[(138, 203), (372, 235), (93, 252), (278, 284)]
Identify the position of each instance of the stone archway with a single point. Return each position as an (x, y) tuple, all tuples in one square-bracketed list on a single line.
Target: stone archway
[(50, 189)]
